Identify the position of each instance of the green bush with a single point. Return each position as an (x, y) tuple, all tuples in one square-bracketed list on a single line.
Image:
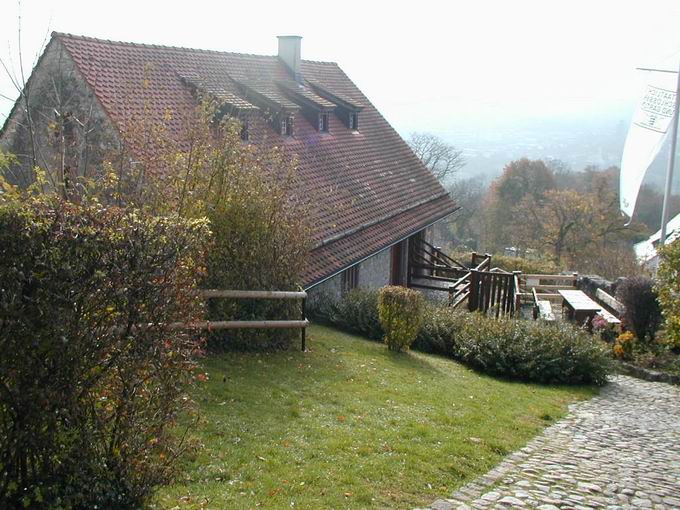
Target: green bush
[(519, 349), (91, 379), (668, 288), (259, 223), (356, 312), (530, 350), (400, 311), (438, 332)]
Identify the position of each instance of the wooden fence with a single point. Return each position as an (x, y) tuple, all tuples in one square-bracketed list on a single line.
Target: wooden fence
[(483, 287), (492, 291), (253, 324), (430, 268)]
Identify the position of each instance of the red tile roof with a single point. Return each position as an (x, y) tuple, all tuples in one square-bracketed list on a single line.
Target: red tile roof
[(375, 190)]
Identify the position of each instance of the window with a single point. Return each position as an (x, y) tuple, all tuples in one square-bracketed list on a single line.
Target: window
[(286, 126), (323, 122), (353, 121), (350, 278)]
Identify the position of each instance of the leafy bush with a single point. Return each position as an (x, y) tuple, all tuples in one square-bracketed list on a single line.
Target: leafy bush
[(91, 378), (669, 290), (258, 219), (519, 349), (356, 312), (642, 312), (401, 314), (530, 350), (437, 334)]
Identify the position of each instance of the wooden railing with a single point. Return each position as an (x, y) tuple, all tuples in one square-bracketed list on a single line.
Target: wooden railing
[(547, 291), (492, 291), (428, 263), (253, 324), (461, 288)]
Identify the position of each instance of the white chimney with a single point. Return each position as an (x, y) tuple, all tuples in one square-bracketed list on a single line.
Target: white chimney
[(289, 53)]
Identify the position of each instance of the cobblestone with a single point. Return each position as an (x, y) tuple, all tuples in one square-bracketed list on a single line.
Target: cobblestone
[(618, 451)]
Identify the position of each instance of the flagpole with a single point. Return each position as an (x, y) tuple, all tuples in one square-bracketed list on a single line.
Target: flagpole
[(671, 163)]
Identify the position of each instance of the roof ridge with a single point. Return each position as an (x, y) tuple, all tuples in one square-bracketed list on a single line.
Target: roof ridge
[(167, 47)]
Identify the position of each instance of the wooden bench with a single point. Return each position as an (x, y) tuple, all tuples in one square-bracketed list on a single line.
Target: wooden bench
[(545, 310), (609, 301), (542, 308), (609, 317)]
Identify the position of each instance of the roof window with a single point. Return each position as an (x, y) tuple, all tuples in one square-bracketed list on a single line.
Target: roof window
[(323, 122), (286, 126), (353, 121)]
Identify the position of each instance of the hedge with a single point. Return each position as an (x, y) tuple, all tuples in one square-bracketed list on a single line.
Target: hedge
[(518, 349), (91, 379)]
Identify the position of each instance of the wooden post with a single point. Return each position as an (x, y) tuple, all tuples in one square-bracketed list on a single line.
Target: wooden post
[(303, 331), (473, 298), (575, 280), (518, 298)]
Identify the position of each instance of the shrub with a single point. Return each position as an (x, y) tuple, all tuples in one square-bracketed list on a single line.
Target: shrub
[(356, 312), (604, 329), (530, 350), (400, 312), (88, 396), (438, 332), (642, 312), (526, 350), (624, 345), (669, 290), (258, 219)]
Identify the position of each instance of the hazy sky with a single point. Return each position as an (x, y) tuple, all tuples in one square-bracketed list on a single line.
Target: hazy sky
[(426, 65)]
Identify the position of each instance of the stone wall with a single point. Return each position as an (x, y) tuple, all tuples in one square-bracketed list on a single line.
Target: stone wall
[(71, 132)]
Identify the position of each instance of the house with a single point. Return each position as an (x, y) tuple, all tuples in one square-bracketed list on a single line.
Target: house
[(645, 251), (380, 199)]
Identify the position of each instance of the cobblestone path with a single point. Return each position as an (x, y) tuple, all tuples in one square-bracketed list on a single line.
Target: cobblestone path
[(619, 450)]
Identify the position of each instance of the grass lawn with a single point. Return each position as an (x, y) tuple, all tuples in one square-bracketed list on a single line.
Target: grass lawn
[(350, 425)]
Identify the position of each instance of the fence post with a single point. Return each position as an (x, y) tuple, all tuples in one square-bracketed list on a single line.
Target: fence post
[(450, 295), (516, 290), (575, 280), (303, 331), (474, 290)]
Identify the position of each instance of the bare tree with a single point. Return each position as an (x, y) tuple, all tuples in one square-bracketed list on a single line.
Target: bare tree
[(442, 158)]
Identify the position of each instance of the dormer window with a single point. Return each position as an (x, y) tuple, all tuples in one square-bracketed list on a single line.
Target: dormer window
[(286, 126), (353, 121), (323, 122)]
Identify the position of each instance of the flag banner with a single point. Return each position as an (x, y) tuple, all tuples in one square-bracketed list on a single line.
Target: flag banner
[(646, 135)]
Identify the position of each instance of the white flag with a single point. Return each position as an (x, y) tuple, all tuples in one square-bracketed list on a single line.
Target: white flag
[(646, 136)]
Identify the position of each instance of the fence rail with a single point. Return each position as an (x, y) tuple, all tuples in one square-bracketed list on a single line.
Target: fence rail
[(254, 324)]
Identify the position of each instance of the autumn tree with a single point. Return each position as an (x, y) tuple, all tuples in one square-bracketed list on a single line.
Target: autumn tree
[(442, 158), (523, 180)]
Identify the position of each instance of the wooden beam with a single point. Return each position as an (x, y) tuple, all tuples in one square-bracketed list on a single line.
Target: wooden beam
[(209, 325), (549, 276), (253, 294)]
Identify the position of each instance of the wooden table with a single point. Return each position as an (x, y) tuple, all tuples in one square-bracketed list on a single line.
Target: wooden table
[(578, 307)]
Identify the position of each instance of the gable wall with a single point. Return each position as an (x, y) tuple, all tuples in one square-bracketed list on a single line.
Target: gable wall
[(74, 143)]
